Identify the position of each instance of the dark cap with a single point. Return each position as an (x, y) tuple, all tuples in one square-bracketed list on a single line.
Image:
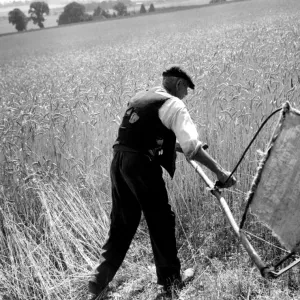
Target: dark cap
[(177, 71)]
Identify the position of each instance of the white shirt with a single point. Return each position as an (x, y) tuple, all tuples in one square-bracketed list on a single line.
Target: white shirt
[(175, 116)]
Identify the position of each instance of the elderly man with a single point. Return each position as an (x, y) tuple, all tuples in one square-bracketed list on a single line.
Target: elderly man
[(146, 140)]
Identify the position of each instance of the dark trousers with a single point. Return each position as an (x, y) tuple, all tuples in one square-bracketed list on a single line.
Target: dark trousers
[(138, 186)]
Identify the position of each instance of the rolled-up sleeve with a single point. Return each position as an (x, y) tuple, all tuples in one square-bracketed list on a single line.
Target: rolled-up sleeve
[(175, 116)]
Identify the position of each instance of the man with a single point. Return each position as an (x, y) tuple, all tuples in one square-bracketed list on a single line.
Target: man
[(146, 140)]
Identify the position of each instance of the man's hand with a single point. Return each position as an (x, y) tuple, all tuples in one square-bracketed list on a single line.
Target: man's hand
[(178, 148), (222, 180)]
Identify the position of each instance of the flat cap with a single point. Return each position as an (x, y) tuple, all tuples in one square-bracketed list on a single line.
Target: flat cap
[(178, 71)]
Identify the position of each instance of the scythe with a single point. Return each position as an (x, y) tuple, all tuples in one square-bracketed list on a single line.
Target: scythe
[(275, 193)]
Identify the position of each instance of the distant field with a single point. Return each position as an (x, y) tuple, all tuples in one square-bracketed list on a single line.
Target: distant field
[(62, 94), (52, 18)]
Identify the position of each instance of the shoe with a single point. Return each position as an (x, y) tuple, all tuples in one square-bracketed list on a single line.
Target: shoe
[(97, 292), (172, 290), (188, 275), (100, 296)]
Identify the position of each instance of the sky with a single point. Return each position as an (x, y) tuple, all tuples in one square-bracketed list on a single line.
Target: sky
[(10, 1), (7, 1)]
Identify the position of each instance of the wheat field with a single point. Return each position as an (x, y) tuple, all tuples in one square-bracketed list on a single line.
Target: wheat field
[(62, 95)]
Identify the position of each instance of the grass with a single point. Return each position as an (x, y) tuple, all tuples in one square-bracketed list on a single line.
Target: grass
[(62, 94)]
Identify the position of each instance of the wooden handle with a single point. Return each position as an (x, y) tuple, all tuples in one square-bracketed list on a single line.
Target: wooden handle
[(265, 271)]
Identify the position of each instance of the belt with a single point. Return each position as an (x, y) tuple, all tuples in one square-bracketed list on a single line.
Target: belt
[(124, 148), (120, 147)]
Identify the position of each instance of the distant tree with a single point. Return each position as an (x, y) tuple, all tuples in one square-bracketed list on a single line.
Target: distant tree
[(143, 9), (73, 13), (97, 11), (151, 8), (63, 19), (18, 18), (86, 17), (121, 8), (106, 14), (37, 11)]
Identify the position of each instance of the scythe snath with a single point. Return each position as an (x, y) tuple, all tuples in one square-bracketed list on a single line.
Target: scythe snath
[(274, 196)]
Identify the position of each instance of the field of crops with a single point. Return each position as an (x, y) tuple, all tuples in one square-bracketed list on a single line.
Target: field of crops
[(62, 94)]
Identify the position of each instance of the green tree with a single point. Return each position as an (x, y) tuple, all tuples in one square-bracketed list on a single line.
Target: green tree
[(37, 10), (121, 9), (151, 8), (73, 13), (143, 9), (18, 18)]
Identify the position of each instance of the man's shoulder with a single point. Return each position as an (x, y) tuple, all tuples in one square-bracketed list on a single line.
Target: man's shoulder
[(157, 92), (170, 98), (173, 104), (170, 101)]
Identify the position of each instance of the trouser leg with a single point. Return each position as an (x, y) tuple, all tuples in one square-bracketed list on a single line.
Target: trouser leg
[(125, 218), (161, 224), (150, 190)]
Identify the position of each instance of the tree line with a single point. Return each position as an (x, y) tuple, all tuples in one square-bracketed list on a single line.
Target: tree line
[(73, 12), (36, 12)]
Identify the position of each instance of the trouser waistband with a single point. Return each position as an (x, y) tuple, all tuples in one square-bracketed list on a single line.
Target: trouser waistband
[(149, 153), (119, 147)]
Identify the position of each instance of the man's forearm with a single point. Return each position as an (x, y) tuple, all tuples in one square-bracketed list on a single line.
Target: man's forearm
[(205, 159)]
